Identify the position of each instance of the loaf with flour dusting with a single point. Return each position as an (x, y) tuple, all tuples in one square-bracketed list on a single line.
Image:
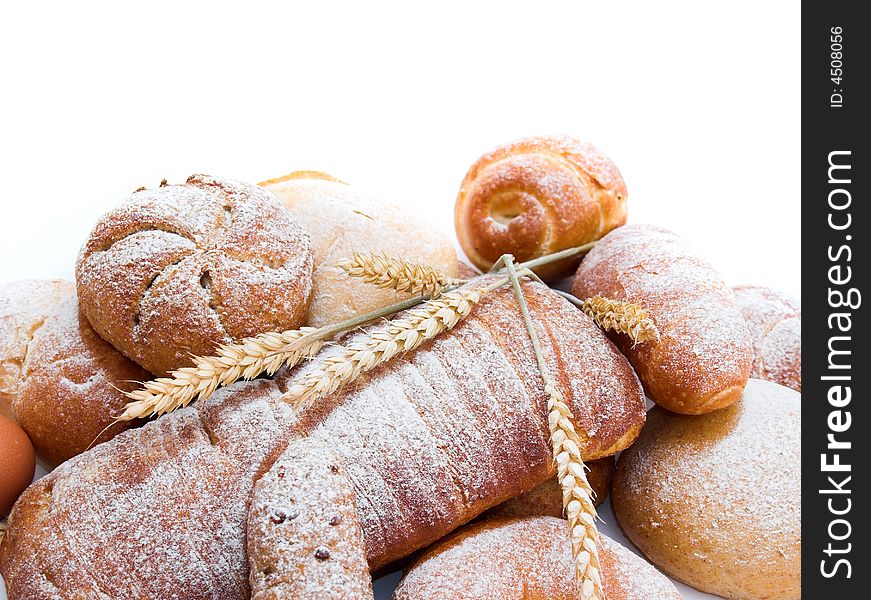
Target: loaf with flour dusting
[(66, 390), (526, 558), (703, 358), (429, 442), (774, 321), (304, 538)]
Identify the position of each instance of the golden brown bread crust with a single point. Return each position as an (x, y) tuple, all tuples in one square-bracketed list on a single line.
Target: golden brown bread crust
[(303, 535), (536, 196), (429, 442), (71, 382), (524, 559), (715, 500), (774, 321), (178, 270), (341, 221), (703, 358), (546, 499), (465, 271), (24, 306)]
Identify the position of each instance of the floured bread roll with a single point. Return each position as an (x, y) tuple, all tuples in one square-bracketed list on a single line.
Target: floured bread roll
[(177, 270), (24, 306), (67, 391), (524, 559), (715, 500), (304, 538), (774, 320), (342, 221)]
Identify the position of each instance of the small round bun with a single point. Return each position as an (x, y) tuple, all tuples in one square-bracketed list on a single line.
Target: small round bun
[(177, 270), (536, 196), (24, 307), (774, 320), (342, 221), (715, 500), (526, 558), (546, 499)]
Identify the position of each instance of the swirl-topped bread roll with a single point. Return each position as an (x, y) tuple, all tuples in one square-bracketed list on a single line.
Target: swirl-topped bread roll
[(537, 196), (178, 270)]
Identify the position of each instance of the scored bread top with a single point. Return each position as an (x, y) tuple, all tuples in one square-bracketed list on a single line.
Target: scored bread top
[(429, 441), (177, 270)]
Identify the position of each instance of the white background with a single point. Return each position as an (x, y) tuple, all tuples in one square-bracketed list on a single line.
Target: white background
[(698, 104)]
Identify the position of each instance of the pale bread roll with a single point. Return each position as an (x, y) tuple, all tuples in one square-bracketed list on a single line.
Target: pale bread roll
[(715, 500), (341, 221), (24, 306), (774, 320), (526, 558)]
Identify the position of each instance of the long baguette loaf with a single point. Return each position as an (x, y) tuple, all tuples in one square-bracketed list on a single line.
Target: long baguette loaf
[(702, 361), (429, 442)]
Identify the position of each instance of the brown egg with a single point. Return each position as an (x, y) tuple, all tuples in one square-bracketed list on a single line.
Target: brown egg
[(17, 463)]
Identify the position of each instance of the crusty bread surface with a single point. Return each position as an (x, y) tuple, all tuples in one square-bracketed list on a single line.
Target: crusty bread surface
[(703, 358), (341, 221), (174, 271), (428, 442), (304, 538), (536, 196), (774, 320), (527, 558), (715, 500)]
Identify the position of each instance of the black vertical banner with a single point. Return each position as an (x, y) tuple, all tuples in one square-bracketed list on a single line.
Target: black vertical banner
[(836, 372)]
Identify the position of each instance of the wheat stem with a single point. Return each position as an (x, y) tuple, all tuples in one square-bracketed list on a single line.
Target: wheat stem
[(248, 359), (571, 471), (397, 274), (403, 334)]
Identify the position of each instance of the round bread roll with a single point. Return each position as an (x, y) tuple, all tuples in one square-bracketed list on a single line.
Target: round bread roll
[(24, 306), (342, 221), (715, 500), (546, 499), (536, 196), (524, 559), (774, 320), (71, 386), (178, 270), (703, 358)]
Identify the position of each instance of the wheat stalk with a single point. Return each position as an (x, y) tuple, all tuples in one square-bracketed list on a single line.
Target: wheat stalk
[(571, 471), (397, 274), (246, 360), (400, 335), (623, 317)]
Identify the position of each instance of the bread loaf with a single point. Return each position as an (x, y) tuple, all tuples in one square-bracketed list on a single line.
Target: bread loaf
[(774, 320), (342, 221), (68, 387), (524, 559), (537, 196), (303, 533), (704, 355), (546, 499), (178, 270), (429, 442), (24, 306), (715, 500)]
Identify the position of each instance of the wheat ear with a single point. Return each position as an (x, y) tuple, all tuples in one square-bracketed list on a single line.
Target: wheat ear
[(624, 317), (397, 274), (400, 335), (2, 531), (571, 471), (249, 358)]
